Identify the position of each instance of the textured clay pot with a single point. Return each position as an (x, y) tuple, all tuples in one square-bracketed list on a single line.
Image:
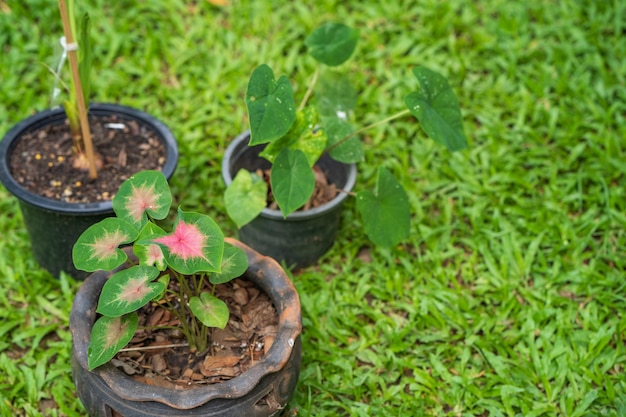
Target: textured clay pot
[(261, 391), (303, 237), (53, 226)]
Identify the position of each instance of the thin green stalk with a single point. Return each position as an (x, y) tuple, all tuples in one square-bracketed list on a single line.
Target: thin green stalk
[(309, 91), (363, 129)]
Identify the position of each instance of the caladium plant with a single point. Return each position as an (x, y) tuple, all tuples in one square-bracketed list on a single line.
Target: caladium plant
[(296, 137), (193, 252)]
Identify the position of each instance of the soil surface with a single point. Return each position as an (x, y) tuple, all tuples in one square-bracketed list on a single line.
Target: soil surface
[(161, 357), (42, 160)]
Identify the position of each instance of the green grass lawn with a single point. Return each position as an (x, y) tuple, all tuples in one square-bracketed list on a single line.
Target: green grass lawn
[(509, 297)]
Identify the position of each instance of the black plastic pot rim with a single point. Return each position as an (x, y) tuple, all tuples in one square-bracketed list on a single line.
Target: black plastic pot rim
[(297, 215), (58, 114)]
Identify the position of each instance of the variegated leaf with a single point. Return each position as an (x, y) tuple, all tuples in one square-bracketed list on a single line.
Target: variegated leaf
[(145, 193), (128, 290), (195, 245), (234, 264), (98, 247), (147, 252), (210, 310), (108, 336)]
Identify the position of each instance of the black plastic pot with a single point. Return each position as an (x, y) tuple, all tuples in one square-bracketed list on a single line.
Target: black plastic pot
[(53, 226), (303, 237), (261, 391)]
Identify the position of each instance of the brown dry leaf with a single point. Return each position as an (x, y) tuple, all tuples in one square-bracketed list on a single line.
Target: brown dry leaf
[(158, 363), (215, 362), (218, 3), (154, 318), (156, 381)]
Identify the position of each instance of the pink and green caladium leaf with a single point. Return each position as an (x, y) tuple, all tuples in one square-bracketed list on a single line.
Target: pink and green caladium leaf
[(129, 290), (98, 247), (147, 252), (332, 43), (108, 336), (386, 211), (292, 180), (234, 264), (145, 193), (245, 198), (195, 245), (271, 105), (210, 310), (437, 109)]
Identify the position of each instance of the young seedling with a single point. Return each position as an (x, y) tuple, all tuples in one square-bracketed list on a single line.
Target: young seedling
[(297, 137), (193, 253)]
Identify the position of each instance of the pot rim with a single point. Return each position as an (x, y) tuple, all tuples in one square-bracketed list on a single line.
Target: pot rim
[(57, 114), (229, 154), (283, 296)]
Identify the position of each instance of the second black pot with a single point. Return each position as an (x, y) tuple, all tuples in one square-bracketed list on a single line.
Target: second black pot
[(53, 226), (303, 237)]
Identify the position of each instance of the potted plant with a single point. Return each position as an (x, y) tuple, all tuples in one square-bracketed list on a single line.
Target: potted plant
[(180, 279), (63, 175), (292, 153)]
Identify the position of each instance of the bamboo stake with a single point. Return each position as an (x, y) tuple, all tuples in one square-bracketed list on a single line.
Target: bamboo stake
[(78, 88)]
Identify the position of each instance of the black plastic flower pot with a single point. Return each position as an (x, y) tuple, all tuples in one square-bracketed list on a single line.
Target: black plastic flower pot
[(303, 237), (53, 226), (262, 390)]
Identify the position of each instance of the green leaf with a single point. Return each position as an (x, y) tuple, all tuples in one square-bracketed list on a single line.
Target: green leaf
[(245, 197), (437, 109), (234, 264), (108, 336), (210, 310), (386, 211), (98, 246), (292, 180), (271, 106), (303, 135), (147, 252), (332, 43), (129, 290), (195, 245), (145, 193)]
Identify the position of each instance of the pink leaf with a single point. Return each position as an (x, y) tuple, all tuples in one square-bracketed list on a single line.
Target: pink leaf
[(186, 242)]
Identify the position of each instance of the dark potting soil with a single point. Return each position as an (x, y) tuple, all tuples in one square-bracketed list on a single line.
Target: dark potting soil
[(161, 357), (42, 160)]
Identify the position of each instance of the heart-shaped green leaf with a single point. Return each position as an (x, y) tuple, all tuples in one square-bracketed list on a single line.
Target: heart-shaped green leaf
[(303, 135), (437, 109), (108, 336), (234, 264), (271, 106), (147, 252), (210, 310), (292, 180), (386, 211), (145, 193), (98, 246), (332, 43), (128, 290), (195, 245), (245, 197)]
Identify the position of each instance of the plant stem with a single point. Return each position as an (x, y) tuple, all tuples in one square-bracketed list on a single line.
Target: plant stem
[(309, 91), (80, 101), (363, 129)]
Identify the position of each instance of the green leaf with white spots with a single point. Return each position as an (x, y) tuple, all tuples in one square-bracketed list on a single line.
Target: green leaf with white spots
[(108, 336), (437, 109), (97, 248), (128, 290), (386, 211), (145, 193), (210, 310), (245, 198), (271, 105), (234, 264)]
